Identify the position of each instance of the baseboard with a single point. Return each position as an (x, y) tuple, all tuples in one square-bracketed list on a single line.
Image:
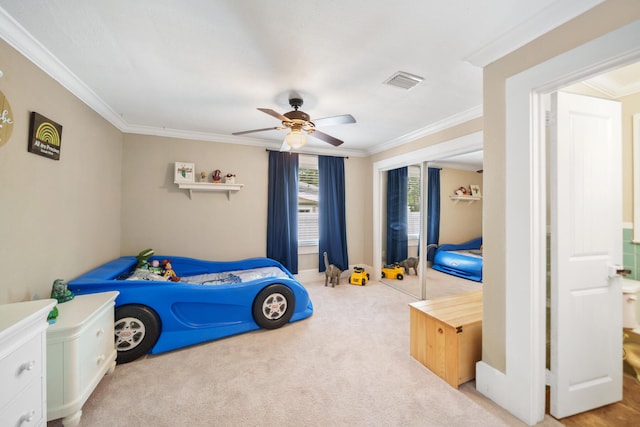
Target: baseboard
[(498, 387), (313, 274)]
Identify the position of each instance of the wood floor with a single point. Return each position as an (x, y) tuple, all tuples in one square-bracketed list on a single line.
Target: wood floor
[(622, 414)]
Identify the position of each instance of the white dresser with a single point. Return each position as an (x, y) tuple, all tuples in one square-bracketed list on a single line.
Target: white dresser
[(80, 351), (23, 345)]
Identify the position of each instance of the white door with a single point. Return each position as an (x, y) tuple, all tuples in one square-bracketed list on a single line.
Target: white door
[(586, 247)]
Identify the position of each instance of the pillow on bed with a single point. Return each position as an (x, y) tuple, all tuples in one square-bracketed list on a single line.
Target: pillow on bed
[(141, 274)]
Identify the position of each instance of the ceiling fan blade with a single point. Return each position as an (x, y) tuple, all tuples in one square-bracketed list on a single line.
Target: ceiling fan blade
[(335, 120), (254, 130), (326, 138), (274, 114)]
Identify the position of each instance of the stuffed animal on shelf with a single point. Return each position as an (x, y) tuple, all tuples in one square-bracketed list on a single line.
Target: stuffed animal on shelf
[(230, 178), (203, 177), (216, 176)]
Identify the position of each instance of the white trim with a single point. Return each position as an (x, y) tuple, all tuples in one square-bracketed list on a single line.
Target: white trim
[(544, 21), (636, 178), (464, 144), (521, 388), (451, 121)]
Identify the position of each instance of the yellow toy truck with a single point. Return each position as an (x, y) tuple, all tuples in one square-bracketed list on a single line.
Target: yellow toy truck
[(392, 271), (359, 277)]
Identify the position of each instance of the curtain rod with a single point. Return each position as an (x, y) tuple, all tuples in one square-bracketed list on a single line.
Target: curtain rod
[(306, 154)]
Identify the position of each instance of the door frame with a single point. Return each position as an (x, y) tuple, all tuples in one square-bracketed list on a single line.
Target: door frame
[(462, 145), (521, 387)]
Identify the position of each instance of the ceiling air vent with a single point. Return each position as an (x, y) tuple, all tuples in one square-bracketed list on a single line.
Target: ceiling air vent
[(404, 80)]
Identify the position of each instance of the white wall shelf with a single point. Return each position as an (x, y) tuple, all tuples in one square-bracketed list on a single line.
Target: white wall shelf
[(209, 186), (468, 199)]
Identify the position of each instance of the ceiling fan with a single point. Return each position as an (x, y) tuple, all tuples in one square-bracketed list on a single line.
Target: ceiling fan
[(298, 122)]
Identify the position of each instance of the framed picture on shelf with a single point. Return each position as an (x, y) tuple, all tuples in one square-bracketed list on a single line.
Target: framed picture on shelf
[(184, 172), (475, 190)]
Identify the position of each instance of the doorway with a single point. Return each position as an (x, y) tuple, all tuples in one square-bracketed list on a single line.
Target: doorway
[(525, 247), (617, 87)]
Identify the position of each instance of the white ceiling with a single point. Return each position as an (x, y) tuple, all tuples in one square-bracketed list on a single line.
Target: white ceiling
[(198, 69)]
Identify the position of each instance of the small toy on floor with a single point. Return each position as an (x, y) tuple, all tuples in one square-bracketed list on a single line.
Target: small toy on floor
[(409, 263), (359, 277), (332, 273)]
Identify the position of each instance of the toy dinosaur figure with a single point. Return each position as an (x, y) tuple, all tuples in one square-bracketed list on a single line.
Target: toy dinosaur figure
[(61, 292), (410, 263), (143, 258), (332, 273)]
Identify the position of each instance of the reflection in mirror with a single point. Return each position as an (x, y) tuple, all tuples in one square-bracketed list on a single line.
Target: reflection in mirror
[(400, 239)]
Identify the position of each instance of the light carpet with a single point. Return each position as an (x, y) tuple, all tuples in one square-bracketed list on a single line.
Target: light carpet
[(347, 365)]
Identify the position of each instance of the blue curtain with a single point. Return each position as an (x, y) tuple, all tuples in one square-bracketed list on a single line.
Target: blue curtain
[(331, 217), (397, 237), (433, 211), (282, 211)]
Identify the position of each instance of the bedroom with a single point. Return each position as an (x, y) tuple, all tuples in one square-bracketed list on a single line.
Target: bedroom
[(62, 210)]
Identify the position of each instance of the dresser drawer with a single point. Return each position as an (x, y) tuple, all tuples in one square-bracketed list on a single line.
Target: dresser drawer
[(26, 409), (20, 368), (96, 347)]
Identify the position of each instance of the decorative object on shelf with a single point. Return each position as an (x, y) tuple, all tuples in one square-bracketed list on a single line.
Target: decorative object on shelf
[(203, 176), (6, 120), (216, 176), (462, 191), (184, 172), (475, 190), (45, 137), (61, 292), (230, 178)]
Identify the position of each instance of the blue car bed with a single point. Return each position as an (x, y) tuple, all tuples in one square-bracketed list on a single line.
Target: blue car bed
[(463, 260), (203, 301)]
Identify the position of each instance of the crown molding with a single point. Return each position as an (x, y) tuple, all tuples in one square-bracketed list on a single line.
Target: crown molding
[(544, 21), (21, 40), (456, 119)]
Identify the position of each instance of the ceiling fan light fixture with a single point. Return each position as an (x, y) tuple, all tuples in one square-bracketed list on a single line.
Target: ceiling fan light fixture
[(295, 139)]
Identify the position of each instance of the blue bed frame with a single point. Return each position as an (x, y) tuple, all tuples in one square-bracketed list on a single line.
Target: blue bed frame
[(467, 267)]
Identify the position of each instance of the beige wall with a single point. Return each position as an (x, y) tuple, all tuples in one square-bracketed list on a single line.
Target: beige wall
[(57, 218), (630, 106), (460, 221), (600, 20), (158, 215)]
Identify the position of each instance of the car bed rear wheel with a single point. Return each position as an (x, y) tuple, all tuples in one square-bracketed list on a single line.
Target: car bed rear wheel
[(273, 307), (136, 328)]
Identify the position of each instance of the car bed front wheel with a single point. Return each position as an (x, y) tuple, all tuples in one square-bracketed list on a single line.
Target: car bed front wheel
[(136, 329), (273, 307)]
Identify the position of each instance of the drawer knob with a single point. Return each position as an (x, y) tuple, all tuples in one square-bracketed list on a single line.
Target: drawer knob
[(440, 330), (27, 366), (99, 332), (27, 418), (100, 359)]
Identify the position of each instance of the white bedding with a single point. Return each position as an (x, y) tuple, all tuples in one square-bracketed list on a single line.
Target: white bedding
[(238, 276), (474, 253)]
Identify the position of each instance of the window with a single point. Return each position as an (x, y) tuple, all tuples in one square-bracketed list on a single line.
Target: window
[(413, 202), (308, 200)]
